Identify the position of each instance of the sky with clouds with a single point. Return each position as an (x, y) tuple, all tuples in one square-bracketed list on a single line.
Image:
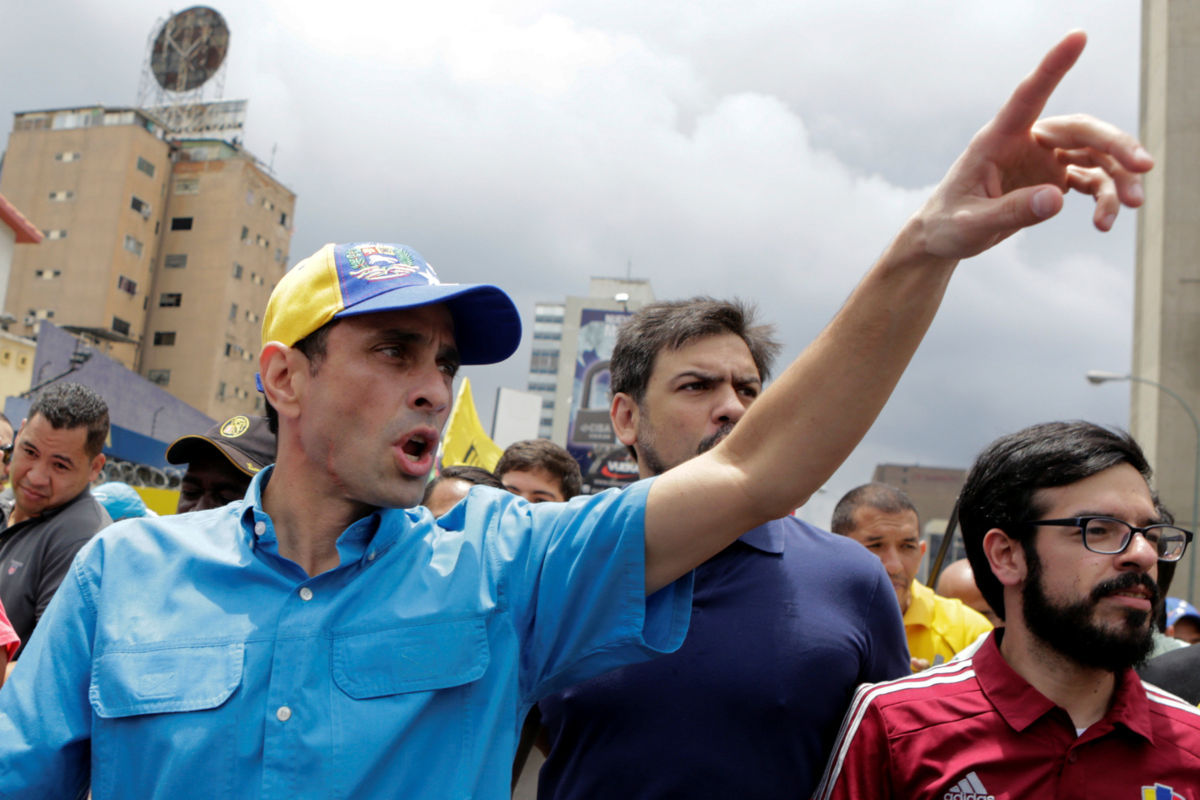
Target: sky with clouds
[(760, 149)]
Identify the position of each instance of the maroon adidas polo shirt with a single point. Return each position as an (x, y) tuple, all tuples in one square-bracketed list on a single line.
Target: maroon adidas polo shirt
[(976, 730)]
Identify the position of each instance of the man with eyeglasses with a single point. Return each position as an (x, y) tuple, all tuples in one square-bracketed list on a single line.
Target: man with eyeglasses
[(1064, 535)]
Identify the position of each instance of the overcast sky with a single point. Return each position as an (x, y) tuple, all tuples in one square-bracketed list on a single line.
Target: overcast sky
[(766, 150)]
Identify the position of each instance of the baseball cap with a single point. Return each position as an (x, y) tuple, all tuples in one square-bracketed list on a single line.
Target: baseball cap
[(247, 442), (1178, 608), (343, 280)]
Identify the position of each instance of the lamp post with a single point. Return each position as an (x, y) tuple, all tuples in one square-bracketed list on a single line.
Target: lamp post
[(1098, 377)]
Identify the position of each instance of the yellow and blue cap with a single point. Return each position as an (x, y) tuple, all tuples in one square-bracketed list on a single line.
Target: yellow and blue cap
[(344, 280)]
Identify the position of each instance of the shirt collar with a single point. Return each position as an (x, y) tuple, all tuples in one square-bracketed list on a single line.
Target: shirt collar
[(257, 526), (768, 538), (920, 606), (1021, 705)]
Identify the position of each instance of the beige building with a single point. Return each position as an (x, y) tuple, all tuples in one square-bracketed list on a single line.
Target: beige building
[(1166, 338), (224, 246), (160, 252)]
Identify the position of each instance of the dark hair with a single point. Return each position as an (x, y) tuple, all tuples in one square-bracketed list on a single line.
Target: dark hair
[(477, 476), (671, 325), (544, 454), (73, 405), (313, 347), (1001, 487), (879, 496)]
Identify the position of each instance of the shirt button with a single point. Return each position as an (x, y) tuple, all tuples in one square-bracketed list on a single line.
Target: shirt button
[(371, 556), (1072, 757), (283, 714), (305, 594), (260, 528)]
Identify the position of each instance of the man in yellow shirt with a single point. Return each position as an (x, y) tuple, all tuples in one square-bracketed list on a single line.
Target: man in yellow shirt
[(884, 520)]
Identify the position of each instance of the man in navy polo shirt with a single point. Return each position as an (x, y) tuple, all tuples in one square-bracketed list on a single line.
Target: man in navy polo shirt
[(786, 621)]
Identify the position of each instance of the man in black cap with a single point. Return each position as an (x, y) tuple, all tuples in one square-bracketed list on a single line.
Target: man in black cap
[(221, 462)]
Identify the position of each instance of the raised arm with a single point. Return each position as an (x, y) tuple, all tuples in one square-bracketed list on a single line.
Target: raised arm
[(1012, 175)]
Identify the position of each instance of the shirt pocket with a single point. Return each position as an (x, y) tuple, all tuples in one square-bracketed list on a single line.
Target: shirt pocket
[(412, 658), (128, 683), (166, 705)]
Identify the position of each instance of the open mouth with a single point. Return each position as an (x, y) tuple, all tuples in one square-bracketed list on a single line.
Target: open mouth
[(415, 447)]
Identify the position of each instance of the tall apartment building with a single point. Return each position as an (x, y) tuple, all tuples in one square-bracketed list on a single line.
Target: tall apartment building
[(161, 252), (568, 367)]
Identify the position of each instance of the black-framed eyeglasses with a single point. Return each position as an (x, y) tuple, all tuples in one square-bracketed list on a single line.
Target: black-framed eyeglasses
[(1109, 536)]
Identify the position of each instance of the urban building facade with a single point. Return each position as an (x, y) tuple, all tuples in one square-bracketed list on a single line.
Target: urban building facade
[(158, 250), (1165, 374), (568, 368)]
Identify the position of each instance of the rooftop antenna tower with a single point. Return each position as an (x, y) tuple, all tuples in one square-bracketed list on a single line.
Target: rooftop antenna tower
[(182, 82)]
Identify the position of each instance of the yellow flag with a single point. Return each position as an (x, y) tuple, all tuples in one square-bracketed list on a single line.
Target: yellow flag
[(465, 441)]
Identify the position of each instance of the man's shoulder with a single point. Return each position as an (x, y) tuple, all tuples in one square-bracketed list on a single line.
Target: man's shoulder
[(942, 694), (1181, 713), (810, 540)]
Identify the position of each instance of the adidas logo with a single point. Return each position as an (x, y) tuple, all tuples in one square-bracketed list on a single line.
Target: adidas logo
[(969, 788)]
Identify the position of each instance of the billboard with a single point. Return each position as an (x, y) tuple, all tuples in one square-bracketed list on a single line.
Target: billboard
[(603, 460)]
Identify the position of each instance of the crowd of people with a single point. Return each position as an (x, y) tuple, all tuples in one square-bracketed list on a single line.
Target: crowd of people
[(322, 620)]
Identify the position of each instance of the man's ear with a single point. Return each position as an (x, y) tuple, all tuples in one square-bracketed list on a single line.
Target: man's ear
[(624, 413), (279, 368), (95, 467), (1007, 557)]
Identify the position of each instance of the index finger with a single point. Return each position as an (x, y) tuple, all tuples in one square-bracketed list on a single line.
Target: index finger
[(1027, 101)]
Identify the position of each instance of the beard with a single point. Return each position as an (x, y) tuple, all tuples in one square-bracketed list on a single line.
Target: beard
[(1069, 629), (657, 465)]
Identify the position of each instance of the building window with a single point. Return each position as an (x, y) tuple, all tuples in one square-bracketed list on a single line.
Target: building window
[(126, 285), (62, 195), (283, 218), (170, 300), (67, 157), (175, 260), (187, 186), (160, 376), (268, 205), (164, 338), (145, 166), (249, 198), (55, 233), (221, 390), (232, 312), (120, 326), (181, 223), (237, 271), (234, 350), (245, 234), (251, 316), (47, 274), (140, 206), (543, 361), (133, 245)]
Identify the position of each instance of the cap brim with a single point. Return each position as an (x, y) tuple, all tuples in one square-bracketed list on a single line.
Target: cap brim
[(183, 451), (487, 326)]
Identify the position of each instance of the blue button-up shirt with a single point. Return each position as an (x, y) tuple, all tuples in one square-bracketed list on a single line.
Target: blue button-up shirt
[(184, 657)]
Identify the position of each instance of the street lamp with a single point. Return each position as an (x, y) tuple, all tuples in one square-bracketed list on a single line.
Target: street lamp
[(1098, 377)]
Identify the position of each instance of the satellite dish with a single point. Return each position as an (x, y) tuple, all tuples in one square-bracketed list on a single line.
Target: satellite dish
[(189, 49)]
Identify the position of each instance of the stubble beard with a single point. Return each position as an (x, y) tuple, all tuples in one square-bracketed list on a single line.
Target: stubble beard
[(657, 465)]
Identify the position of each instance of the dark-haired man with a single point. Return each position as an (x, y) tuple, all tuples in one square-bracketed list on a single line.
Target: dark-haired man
[(323, 638), (884, 520), (540, 471), (55, 456), (1064, 535), (786, 621)]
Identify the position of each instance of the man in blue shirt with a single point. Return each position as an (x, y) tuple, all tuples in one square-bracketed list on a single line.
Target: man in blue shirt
[(319, 640)]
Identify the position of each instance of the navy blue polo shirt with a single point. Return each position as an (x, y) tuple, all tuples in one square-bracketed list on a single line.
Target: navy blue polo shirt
[(786, 622)]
